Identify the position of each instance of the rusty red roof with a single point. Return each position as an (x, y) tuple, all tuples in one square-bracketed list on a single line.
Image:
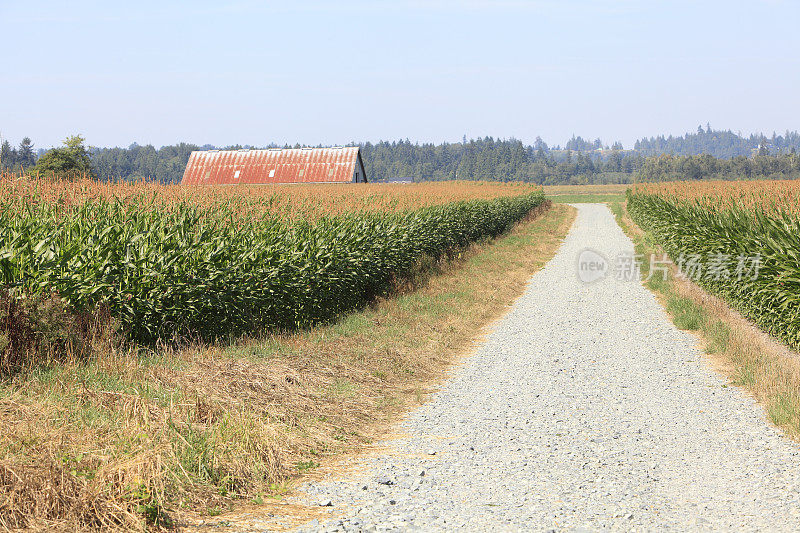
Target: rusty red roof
[(275, 165)]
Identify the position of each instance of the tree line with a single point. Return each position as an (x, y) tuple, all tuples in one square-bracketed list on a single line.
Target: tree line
[(668, 167), (497, 160), (718, 143), (578, 162), (20, 157)]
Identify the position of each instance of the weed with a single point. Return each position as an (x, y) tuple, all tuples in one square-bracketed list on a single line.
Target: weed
[(149, 507), (342, 387), (304, 466), (277, 490), (685, 313), (782, 409)]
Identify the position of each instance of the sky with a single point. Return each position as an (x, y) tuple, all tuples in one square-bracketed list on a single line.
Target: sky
[(315, 72)]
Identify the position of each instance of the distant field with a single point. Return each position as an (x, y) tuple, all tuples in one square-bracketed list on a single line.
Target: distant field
[(571, 194)]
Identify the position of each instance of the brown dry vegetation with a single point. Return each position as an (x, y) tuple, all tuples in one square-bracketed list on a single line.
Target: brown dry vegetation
[(766, 368), (170, 434)]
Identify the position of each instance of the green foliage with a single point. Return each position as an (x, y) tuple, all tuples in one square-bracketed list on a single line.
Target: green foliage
[(685, 313), (772, 298), (585, 198), (25, 156), (697, 167), (718, 143), (498, 160), (13, 159), (150, 508), (304, 466), (8, 156), (72, 160), (165, 164), (192, 271), (781, 410)]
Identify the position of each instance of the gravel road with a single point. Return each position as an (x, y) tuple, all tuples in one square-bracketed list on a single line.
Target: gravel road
[(585, 409)]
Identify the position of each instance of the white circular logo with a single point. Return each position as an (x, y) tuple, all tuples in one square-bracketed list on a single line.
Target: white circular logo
[(592, 266)]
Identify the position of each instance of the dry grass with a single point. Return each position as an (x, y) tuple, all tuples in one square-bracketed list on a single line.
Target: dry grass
[(750, 358), (176, 434)]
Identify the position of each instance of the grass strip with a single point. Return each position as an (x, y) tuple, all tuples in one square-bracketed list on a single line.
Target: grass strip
[(584, 198)]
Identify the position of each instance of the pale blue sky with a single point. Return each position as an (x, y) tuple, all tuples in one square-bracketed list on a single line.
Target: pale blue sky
[(331, 72)]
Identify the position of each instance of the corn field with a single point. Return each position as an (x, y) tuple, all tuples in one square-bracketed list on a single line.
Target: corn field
[(169, 262), (725, 222)]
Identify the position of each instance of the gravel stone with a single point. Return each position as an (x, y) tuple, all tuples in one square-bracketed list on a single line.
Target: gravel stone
[(584, 409)]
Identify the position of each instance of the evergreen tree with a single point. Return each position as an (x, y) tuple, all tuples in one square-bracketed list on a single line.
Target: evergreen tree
[(8, 156), (25, 155)]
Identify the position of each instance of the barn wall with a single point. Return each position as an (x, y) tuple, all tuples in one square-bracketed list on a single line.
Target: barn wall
[(359, 167)]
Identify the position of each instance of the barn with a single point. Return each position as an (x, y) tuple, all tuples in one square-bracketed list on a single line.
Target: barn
[(275, 165)]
